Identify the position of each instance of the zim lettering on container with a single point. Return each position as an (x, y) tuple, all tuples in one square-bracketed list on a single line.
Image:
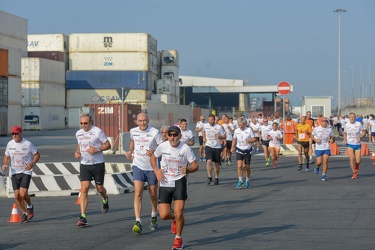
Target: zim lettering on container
[(107, 42), (105, 110)]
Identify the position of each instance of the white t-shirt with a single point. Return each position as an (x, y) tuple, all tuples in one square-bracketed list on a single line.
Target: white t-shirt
[(241, 136), (20, 154), (144, 140), (265, 130), (372, 124), (227, 128), (235, 124), (255, 128), (187, 135), (273, 141), (353, 132), (211, 132), (323, 134), (200, 125), (172, 159), (94, 137)]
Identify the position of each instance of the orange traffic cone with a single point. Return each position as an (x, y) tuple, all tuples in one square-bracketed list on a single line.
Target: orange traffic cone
[(14, 217), (364, 149), (373, 155), (335, 150), (78, 199)]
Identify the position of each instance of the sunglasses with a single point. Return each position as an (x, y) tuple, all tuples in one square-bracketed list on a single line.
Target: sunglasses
[(172, 135), (84, 123), (14, 133)]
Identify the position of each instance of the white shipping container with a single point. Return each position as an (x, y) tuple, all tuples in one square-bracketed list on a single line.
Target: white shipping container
[(15, 43), (13, 26), (14, 115), (3, 121), (170, 72), (14, 90), (43, 118), (168, 86), (76, 98), (129, 61), (47, 42), (170, 58), (74, 115), (37, 94), (114, 42), (14, 62), (42, 70)]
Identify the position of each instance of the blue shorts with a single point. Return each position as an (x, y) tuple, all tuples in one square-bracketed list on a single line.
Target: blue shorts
[(372, 133), (144, 176), (320, 153), (355, 147)]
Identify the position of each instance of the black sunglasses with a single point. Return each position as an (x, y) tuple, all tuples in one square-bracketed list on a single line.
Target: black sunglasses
[(14, 133), (172, 135), (84, 123)]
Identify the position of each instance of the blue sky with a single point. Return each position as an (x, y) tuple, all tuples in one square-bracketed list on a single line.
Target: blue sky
[(263, 41)]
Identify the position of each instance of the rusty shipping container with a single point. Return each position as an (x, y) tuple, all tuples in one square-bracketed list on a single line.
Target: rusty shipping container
[(108, 117), (3, 62)]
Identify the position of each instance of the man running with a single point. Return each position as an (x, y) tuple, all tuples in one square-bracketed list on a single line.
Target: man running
[(143, 142), (186, 134), (199, 129), (265, 129), (303, 131), (22, 156), (353, 134), (323, 136)]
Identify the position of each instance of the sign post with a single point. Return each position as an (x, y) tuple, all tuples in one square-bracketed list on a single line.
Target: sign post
[(283, 88)]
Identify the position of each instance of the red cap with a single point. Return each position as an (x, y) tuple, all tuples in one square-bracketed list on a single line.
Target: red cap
[(16, 129)]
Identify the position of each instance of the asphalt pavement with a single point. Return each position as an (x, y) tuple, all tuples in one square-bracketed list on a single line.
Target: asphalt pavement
[(284, 209)]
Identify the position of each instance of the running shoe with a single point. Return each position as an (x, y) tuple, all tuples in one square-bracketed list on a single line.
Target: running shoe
[(300, 168), (209, 179), (177, 244), (216, 181), (324, 177), (24, 218), (239, 185), (204, 159), (307, 169), (252, 151), (137, 228), (226, 163), (229, 162), (247, 184), (356, 167), (153, 223), (269, 158), (82, 222), (267, 163), (311, 161), (30, 212), (303, 160), (173, 227), (316, 171), (105, 206), (354, 176), (201, 159), (257, 151)]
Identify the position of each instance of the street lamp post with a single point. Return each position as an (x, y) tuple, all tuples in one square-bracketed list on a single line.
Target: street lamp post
[(339, 11)]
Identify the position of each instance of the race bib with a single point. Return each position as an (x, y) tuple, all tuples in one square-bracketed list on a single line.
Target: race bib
[(301, 136), (167, 183)]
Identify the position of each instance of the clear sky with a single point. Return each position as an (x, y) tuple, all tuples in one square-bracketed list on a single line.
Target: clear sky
[(261, 41)]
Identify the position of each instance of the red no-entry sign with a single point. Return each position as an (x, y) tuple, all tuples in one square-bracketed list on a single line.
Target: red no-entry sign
[(284, 88)]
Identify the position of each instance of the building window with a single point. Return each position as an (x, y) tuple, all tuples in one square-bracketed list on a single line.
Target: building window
[(316, 110)]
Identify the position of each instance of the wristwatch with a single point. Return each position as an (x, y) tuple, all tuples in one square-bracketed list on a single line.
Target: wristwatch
[(187, 171), (99, 149)]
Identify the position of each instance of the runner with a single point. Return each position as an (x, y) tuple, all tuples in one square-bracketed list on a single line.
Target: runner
[(199, 129), (229, 129), (143, 142), (275, 137), (265, 129), (91, 143), (186, 134), (311, 122), (241, 144), (176, 156), (353, 134), (323, 136), (303, 131), (255, 126), (22, 156)]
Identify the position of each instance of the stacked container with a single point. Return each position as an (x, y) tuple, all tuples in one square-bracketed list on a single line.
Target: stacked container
[(101, 65), (168, 84), (43, 94), (49, 46), (13, 33)]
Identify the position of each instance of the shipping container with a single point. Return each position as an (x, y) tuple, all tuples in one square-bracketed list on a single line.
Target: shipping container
[(3, 91), (14, 90), (14, 115), (169, 58), (170, 72), (47, 42), (127, 61), (107, 79), (109, 118), (164, 98), (15, 43), (158, 64), (43, 118), (3, 121), (38, 94), (14, 62), (3, 62), (76, 98), (13, 26), (114, 42), (42, 70), (51, 55), (168, 86)]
